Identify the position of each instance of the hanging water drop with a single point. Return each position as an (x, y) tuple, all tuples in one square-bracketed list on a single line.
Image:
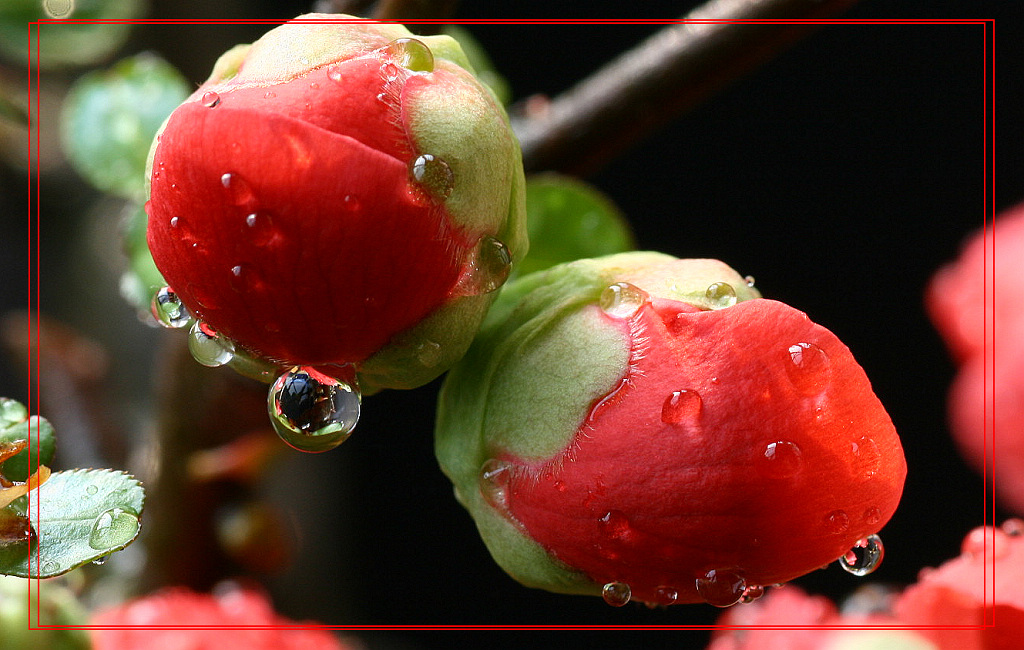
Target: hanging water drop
[(411, 54), (433, 174), (720, 295), (622, 300), (311, 411), (168, 309), (100, 561), (865, 556), (209, 348), (210, 99), (751, 593), (750, 281), (681, 406), (665, 595), (616, 594), (113, 528), (721, 587)]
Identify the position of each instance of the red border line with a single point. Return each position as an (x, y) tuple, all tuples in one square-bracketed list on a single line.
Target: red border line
[(988, 507)]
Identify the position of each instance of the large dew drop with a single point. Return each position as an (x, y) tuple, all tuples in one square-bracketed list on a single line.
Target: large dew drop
[(433, 174), (487, 267), (720, 295), (721, 587), (622, 300), (865, 556), (311, 411), (113, 528), (209, 348), (411, 54), (808, 368), (168, 309)]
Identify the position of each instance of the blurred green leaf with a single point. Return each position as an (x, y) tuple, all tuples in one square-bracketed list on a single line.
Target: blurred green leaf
[(65, 44), (55, 605), (141, 280), (16, 425), (568, 220), (481, 63), (111, 116), (83, 515)]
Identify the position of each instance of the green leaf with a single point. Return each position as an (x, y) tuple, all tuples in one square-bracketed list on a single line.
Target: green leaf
[(568, 220), (83, 515), (66, 44), (111, 116), (16, 425), (482, 66)]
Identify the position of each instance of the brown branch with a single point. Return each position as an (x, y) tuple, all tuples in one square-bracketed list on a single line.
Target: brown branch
[(667, 74)]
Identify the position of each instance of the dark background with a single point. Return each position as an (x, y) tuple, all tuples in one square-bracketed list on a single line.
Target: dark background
[(841, 175)]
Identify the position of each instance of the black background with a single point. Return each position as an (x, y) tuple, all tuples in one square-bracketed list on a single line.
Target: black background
[(841, 175)]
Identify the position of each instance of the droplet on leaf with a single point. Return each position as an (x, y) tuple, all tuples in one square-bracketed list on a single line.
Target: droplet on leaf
[(487, 267), (113, 528), (411, 54), (433, 174), (311, 411), (720, 295), (494, 478)]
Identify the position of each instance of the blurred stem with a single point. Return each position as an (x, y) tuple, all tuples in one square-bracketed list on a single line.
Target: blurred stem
[(673, 70)]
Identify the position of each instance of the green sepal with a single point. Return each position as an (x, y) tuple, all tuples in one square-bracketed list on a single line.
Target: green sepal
[(16, 425)]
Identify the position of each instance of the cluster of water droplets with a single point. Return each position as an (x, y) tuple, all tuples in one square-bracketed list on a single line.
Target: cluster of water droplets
[(311, 411)]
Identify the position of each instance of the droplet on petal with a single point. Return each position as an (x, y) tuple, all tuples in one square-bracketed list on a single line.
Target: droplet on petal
[(751, 593), (666, 595), (781, 459), (837, 522), (237, 187), (681, 406), (168, 309), (487, 267), (808, 368), (210, 99), (865, 556), (311, 411), (616, 594), (622, 300), (721, 587), (614, 525), (411, 54)]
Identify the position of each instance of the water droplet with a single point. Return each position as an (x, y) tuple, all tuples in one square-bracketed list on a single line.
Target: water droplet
[(680, 406), (494, 479), (1013, 527), (720, 295), (865, 556), (245, 279), (270, 94), (721, 587), (311, 411), (351, 203), (389, 71), (751, 593), (429, 353), (12, 411), (334, 73), (781, 459), (666, 595), (50, 568), (872, 516), (622, 300), (210, 99), (100, 561), (91, 490), (616, 594), (808, 368), (314, 85), (487, 267), (614, 525), (867, 458), (411, 54), (115, 527), (749, 280), (237, 187), (432, 174), (207, 347), (837, 522), (260, 228), (168, 309)]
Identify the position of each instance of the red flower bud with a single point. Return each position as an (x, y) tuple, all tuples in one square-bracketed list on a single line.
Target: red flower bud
[(339, 194), (734, 445)]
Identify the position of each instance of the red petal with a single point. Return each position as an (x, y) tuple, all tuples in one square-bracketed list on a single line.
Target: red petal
[(775, 470)]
